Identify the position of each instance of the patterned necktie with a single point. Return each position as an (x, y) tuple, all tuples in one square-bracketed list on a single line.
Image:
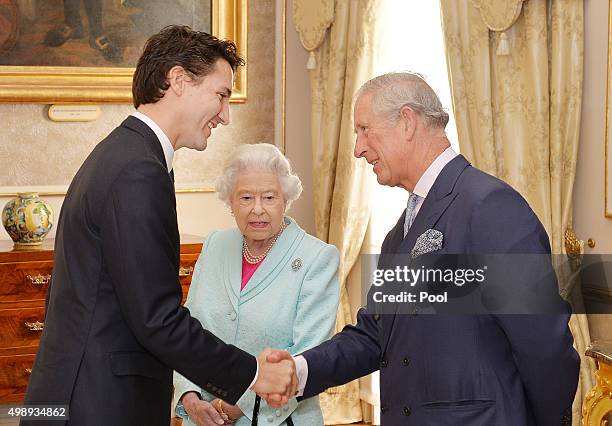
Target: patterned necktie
[(413, 200)]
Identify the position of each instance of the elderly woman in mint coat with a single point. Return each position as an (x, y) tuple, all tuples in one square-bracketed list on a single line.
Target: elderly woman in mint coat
[(265, 283)]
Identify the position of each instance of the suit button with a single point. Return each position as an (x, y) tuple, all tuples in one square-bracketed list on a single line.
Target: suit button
[(384, 363), (376, 317), (224, 394), (405, 362), (278, 413), (233, 316), (270, 419), (407, 411), (383, 409)]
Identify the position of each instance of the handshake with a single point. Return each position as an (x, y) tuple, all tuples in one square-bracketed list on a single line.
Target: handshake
[(277, 381)]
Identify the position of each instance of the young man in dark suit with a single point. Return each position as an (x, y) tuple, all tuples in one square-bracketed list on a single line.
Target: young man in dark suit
[(114, 327), (473, 370)]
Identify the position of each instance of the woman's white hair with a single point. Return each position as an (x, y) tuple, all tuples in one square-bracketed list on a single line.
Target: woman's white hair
[(264, 157), (394, 90)]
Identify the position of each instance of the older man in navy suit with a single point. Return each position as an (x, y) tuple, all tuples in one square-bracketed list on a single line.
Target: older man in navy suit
[(473, 370)]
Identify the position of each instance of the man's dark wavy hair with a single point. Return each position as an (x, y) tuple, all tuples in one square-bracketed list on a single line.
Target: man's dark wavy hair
[(195, 51)]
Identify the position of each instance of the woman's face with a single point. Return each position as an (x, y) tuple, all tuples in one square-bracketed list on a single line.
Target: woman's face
[(258, 205)]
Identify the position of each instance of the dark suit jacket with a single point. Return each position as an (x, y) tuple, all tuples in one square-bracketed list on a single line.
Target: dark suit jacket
[(114, 327), (461, 369)]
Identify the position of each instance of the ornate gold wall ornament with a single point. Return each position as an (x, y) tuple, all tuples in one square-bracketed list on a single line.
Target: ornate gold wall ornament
[(598, 402), (573, 246)]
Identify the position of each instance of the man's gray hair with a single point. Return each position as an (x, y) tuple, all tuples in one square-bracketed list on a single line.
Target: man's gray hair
[(394, 90), (264, 157)]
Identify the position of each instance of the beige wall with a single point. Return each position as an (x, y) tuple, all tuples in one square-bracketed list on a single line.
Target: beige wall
[(26, 133), (297, 120), (589, 220)]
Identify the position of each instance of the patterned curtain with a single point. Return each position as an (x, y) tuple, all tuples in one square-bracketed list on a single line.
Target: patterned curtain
[(516, 82), (338, 33)]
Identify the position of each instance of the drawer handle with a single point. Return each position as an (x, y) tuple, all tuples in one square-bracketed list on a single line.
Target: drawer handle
[(39, 279), (35, 326), (28, 371), (185, 272)]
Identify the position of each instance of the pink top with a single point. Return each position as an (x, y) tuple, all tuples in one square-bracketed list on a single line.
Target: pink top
[(247, 271)]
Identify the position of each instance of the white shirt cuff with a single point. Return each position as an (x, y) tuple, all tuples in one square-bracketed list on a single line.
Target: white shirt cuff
[(256, 374), (301, 370)]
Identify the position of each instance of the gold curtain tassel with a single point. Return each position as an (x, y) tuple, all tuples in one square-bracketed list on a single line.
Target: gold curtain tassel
[(312, 61), (503, 46)]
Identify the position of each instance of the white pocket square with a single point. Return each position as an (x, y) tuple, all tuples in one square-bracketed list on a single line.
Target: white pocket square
[(428, 241)]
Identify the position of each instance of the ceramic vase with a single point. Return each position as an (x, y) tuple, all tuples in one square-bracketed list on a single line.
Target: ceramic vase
[(27, 219)]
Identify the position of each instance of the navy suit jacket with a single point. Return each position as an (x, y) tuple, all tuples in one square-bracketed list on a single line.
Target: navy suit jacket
[(461, 369), (114, 325)]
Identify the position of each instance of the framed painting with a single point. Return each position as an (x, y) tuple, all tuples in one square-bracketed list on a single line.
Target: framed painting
[(84, 51)]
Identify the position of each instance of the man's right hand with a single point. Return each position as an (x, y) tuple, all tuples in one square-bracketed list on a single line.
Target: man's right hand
[(202, 413), (276, 381)]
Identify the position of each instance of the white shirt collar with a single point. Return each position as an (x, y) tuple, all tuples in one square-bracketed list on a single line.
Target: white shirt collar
[(163, 138), (431, 174)]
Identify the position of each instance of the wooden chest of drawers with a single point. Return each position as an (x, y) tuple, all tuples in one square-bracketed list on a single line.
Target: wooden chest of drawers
[(24, 279)]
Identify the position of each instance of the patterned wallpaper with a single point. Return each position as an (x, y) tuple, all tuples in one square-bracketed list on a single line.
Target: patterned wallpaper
[(35, 151)]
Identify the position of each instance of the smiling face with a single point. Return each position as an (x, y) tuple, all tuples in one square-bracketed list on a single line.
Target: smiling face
[(382, 142), (258, 205), (204, 105)]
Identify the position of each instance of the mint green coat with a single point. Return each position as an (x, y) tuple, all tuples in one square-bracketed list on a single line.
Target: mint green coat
[(289, 303)]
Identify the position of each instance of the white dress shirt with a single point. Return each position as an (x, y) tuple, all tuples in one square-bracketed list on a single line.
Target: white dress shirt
[(421, 189), (163, 138), (428, 178)]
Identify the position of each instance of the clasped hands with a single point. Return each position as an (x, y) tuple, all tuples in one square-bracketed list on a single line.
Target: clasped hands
[(276, 383), (277, 380)]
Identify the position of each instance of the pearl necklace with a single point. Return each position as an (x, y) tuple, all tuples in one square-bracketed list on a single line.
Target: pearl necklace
[(252, 259)]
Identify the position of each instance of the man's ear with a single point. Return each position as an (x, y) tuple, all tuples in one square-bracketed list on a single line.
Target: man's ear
[(177, 77), (409, 118)]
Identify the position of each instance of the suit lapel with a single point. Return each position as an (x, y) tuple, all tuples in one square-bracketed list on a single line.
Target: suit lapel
[(429, 214), (390, 247), (394, 237), (439, 198)]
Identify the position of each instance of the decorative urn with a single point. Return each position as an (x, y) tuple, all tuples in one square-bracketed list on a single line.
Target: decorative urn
[(27, 219)]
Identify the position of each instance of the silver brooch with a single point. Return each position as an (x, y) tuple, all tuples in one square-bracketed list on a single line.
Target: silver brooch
[(296, 264)]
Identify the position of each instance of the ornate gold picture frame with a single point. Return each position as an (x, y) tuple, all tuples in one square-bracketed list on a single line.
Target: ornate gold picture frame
[(30, 84)]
